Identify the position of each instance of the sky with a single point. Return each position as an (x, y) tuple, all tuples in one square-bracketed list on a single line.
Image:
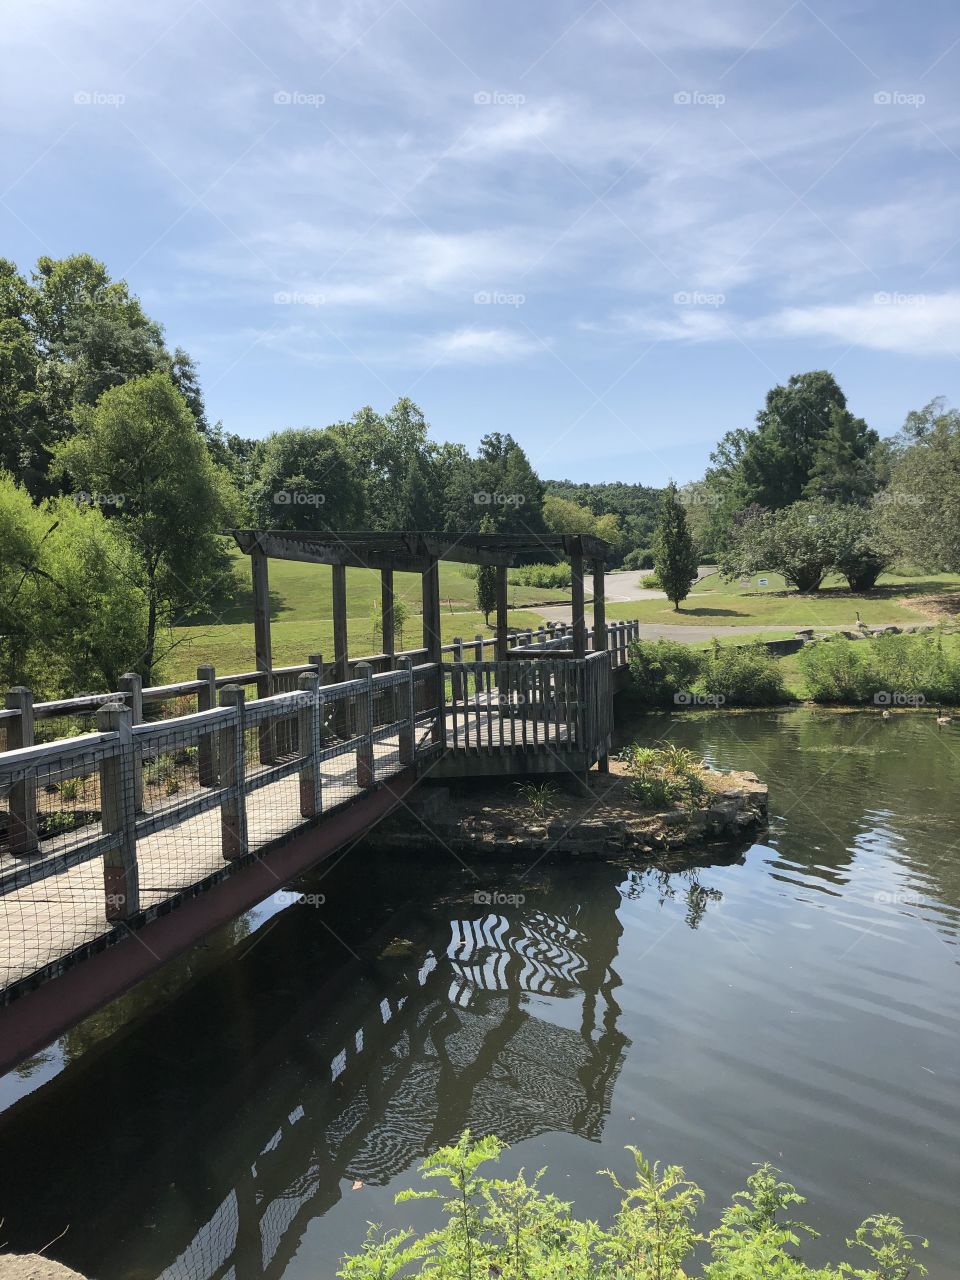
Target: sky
[(606, 227)]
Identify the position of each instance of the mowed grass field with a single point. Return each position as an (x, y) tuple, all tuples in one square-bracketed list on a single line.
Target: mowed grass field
[(301, 606), (714, 602)]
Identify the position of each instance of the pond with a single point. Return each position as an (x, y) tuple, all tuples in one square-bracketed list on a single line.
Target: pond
[(797, 1001)]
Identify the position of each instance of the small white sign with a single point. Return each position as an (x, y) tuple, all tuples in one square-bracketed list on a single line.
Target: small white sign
[(763, 582)]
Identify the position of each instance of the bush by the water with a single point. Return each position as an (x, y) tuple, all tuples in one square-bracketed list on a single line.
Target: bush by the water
[(660, 669), (744, 676), (511, 1229), (550, 576), (887, 669), (662, 777)]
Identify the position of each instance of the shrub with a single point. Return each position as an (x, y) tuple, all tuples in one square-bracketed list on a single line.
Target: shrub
[(662, 777), (511, 1229), (742, 677), (641, 558), (916, 667), (548, 576), (660, 669), (837, 670)]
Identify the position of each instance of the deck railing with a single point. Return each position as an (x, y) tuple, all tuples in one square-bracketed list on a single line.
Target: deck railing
[(99, 829)]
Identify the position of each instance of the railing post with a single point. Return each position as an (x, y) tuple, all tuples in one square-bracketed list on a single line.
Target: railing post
[(316, 660), (456, 680), (231, 748), (407, 712), (24, 839), (207, 746), (118, 815), (364, 722), (132, 685), (308, 725)]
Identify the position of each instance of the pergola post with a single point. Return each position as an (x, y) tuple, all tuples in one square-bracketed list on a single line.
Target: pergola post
[(600, 634), (579, 625), (599, 607), (503, 642), (431, 611), (340, 653)]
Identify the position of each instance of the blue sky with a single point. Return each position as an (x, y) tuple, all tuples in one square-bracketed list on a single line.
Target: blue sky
[(605, 227)]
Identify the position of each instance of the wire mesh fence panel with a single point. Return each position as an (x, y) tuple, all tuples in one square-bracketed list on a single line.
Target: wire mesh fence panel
[(53, 899), (177, 802)]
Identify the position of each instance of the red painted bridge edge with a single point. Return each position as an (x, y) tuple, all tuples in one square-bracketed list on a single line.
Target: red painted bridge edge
[(38, 1017)]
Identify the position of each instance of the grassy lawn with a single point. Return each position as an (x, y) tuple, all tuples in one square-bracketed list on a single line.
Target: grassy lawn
[(229, 646), (301, 611), (719, 603)]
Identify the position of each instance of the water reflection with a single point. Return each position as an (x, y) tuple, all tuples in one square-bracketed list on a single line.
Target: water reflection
[(501, 1020)]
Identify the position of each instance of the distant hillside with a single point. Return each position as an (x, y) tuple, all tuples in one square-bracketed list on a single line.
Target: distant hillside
[(635, 504)]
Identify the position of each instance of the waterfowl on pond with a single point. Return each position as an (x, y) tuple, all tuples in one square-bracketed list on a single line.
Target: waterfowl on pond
[(886, 715), (941, 718)]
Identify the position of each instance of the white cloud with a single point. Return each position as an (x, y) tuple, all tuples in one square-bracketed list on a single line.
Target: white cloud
[(480, 346), (908, 324)]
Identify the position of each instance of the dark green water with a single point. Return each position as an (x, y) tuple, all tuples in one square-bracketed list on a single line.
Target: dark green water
[(799, 1004)]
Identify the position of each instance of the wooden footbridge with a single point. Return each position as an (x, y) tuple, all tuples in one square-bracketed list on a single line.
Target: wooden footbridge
[(122, 846)]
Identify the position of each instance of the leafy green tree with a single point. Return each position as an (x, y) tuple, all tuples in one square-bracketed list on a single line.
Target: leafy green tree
[(306, 479), (72, 614), (674, 555), (848, 461), (863, 550), (138, 452), (486, 580), (24, 432), (801, 542), (920, 508)]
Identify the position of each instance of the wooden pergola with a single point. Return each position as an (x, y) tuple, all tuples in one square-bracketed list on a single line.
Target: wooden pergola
[(412, 552)]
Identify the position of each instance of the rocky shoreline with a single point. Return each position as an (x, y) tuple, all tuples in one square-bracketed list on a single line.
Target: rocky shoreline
[(499, 821)]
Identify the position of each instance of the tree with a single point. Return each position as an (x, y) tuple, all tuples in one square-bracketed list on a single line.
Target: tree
[(920, 508), (23, 423), (140, 456), (847, 461), (801, 542), (306, 479), (72, 615), (674, 555), (486, 581), (863, 550)]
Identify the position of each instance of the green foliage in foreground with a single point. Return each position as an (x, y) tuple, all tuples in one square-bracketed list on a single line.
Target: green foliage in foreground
[(510, 1229), (662, 777), (889, 670), (668, 673)]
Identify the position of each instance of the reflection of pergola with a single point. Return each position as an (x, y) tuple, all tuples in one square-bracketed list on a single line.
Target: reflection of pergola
[(411, 552)]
